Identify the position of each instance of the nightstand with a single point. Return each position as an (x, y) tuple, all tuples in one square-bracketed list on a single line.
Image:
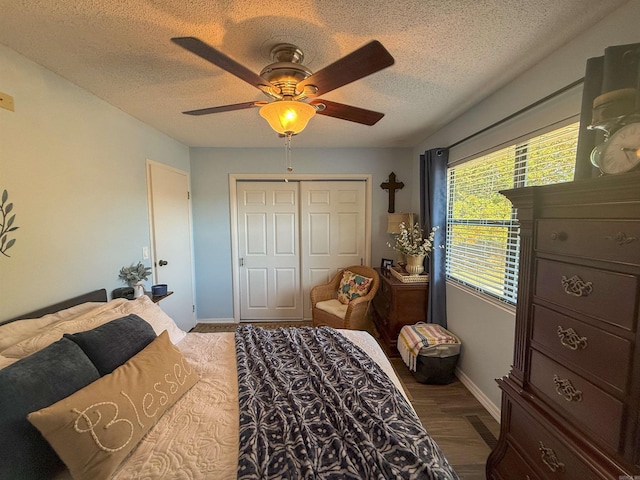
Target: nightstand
[(157, 298), (395, 305)]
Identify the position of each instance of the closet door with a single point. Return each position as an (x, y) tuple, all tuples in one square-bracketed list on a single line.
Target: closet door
[(333, 231), (268, 246)]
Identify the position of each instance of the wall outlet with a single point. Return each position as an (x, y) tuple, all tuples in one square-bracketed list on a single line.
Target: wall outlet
[(6, 101)]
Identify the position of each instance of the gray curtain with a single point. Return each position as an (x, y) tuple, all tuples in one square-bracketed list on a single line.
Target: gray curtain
[(433, 212), (618, 68)]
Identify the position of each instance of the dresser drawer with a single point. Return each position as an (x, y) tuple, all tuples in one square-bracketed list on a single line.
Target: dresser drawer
[(601, 294), (381, 305), (512, 465), (602, 354), (542, 448), (614, 240), (595, 411), (384, 290)]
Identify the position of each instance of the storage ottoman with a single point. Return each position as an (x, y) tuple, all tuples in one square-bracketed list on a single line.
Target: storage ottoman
[(430, 351)]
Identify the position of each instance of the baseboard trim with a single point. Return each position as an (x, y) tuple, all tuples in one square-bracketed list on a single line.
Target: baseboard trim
[(215, 320), (493, 409)]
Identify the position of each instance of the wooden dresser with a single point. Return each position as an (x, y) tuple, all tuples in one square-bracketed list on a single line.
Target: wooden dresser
[(395, 305), (570, 403)]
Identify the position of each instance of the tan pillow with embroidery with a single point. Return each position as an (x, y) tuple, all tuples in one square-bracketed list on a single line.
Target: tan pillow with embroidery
[(95, 428)]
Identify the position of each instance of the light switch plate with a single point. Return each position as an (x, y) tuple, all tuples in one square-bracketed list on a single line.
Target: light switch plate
[(6, 101)]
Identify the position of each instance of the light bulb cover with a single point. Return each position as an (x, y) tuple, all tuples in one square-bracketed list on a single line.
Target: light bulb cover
[(287, 116)]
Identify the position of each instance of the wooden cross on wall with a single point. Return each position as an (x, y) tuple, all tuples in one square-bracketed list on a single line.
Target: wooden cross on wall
[(392, 186)]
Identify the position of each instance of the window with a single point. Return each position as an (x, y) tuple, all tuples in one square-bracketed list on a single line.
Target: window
[(482, 231)]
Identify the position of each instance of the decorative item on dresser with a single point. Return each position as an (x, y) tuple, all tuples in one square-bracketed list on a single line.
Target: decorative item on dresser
[(395, 305), (570, 403)]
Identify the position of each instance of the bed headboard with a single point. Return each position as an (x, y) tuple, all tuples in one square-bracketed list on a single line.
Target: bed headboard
[(94, 296)]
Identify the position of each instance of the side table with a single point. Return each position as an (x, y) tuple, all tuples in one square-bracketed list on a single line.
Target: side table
[(395, 305), (157, 298)]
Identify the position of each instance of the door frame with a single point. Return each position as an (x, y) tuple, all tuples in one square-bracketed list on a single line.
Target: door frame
[(148, 165), (233, 213)]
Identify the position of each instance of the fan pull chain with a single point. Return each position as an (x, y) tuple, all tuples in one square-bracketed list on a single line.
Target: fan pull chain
[(287, 151)]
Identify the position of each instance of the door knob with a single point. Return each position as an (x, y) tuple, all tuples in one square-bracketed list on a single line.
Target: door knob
[(162, 263)]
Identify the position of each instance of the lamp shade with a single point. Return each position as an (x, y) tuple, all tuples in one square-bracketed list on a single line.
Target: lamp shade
[(287, 116), (395, 219)]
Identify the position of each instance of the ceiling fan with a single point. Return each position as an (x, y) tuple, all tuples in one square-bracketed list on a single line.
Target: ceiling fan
[(288, 83)]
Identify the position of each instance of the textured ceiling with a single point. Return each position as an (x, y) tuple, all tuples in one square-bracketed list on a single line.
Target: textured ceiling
[(448, 56)]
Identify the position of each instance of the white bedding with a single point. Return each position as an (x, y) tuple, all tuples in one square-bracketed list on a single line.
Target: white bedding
[(198, 437)]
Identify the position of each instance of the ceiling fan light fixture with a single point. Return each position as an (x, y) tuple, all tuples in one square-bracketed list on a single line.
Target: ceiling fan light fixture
[(287, 116)]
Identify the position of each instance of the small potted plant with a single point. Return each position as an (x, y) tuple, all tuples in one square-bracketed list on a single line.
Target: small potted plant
[(133, 276)]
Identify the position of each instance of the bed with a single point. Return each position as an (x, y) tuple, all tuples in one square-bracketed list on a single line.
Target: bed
[(94, 389)]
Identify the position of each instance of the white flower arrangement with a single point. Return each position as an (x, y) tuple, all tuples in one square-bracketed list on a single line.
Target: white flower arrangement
[(134, 274), (412, 242)]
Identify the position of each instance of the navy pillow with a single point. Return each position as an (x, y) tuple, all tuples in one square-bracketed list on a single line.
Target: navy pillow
[(30, 384), (112, 344)]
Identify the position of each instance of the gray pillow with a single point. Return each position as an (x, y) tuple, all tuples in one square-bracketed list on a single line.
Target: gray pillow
[(112, 344), (30, 384)]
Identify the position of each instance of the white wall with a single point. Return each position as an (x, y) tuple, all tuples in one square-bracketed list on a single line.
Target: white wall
[(74, 167), (487, 330), (210, 169)]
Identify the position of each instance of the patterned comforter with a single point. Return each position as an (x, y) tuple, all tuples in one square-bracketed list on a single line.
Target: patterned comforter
[(313, 405)]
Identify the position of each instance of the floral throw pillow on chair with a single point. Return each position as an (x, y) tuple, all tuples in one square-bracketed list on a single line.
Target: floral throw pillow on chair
[(353, 286)]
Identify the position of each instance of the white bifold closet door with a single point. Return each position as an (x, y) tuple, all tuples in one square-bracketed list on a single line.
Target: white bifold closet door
[(292, 236)]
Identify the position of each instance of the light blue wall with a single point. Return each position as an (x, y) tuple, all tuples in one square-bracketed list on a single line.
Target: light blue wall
[(487, 329), (210, 169), (74, 167)]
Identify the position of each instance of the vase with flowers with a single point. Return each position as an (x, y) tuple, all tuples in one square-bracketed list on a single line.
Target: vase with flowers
[(412, 243), (133, 276)]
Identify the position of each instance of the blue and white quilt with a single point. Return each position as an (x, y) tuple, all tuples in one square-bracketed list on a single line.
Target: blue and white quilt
[(315, 406)]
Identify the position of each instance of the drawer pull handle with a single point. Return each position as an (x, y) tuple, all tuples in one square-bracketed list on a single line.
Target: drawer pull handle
[(558, 236), (576, 286), (621, 238), (550, 459), (570, 339), (565, 388)]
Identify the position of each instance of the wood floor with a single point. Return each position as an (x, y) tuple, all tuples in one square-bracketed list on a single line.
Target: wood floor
[(460, 425), (454, 418)]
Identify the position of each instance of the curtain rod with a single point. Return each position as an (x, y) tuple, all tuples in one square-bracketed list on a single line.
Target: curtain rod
[(521, 111)]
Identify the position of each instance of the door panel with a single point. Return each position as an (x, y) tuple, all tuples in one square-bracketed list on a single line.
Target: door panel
[(268, 247), (287, 246), (319, 243), (333, 231), (171, 237)]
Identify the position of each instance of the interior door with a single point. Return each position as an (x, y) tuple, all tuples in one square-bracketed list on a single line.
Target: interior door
[(269, 252), (333, 230), (171, 240)]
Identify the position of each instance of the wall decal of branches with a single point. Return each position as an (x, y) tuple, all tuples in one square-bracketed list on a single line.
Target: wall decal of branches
[(6, 224)]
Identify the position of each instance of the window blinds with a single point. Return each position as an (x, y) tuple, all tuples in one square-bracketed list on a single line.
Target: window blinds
[(482, 230)]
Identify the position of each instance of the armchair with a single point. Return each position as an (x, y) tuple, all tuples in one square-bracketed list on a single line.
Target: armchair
[(332, 312)]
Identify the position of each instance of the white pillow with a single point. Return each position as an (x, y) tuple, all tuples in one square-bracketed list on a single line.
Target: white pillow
[(87, 320), (105, 312), (18, 330), (156, 317)]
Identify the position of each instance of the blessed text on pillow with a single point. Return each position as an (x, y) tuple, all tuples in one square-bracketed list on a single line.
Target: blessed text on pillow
[(94, 429)]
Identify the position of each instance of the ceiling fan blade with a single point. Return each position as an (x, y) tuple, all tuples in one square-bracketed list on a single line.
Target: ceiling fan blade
[(224, 108), (212, 55), (369, 59), (348, 112)]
